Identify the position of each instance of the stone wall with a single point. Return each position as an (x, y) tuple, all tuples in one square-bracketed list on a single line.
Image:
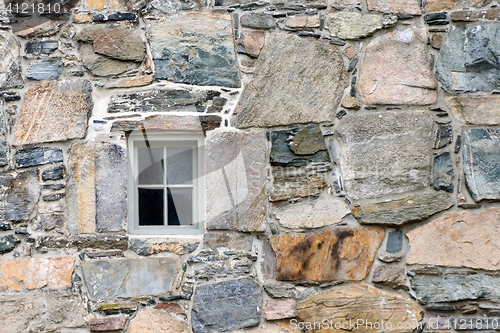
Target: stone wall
[(352, 166)]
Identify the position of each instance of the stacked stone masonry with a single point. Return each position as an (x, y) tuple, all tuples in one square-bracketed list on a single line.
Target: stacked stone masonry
[(352, 165)]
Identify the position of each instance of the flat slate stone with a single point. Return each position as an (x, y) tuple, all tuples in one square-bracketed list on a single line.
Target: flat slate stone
[(293, 183), (8, 243), (100, 65), (226, 306), (475, 109), (202, 53), (45, 47), (28, 157), (353, 25), (443, 136), (46, 69), (467, 60), (442, 173), (383, 153), (279, 94), (167, 122), (109, 279), (53, 173), (481, 153), (409, 209), (20, 194), (394, 241), (258, 21), (10, 61)]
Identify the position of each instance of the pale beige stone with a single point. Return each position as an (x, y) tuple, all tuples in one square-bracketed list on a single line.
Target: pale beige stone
[(351, 102), (251, 42), (439, 5), (104, 4), (396, 69), (283, 326), (392, 275), (155, 321), (353, 25), (350, 52), (458, 239), (129, 82), (345, 3), (279, 309), (395, 6), (475, 109), (303, 21)]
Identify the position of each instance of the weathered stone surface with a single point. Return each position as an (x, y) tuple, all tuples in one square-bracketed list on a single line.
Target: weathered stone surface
[(303, 21), (385, 79), (39, 311), (129, 82), (312, 214), (17, 274), (442, 173), (439, 5), (202, 53), (450, 288), (114, 323), (339, 4), (251, 42), (235, 180), (459, 239), (278, 94), (39, 47), (28, 157), (54, 111), (103, 242), (169, 123), (110, 185), (146, 247), (395, 6), (46, 69), (293, 183), (257, 21), (342, 253), (4, 131), (379, 154), (19, 194), (360, 301), (466, 61), (481, 154), (8, 243), (208, 265), (100, 65), (474, 16), (276, 309), (353, 25), (394, 241), (39, 28), (392, 276), (109, 279), (475, 109), (443, 136), (230, 240), (226, 306), (53, 173), (51, 221), (153, 321), (104, 4), (281, 290), (412, 208), (10, 62)]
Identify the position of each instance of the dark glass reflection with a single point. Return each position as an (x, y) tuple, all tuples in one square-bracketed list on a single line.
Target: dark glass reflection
[(151, 207), (180, 206)]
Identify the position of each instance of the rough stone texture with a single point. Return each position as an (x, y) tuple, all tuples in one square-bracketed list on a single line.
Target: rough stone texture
[(409, 209), (54, 111), (10, 62), (475, 109), (81, 188), (467, 60), (439, 5), (474, 16), (169, 123), (293, 183), (342, 253), (18, 274), (100, 65), (4, 131), (450, 288), (379, 153), (353, 25), (28, 157), (303, 21), (385, 79), (361, 301), (459, 239), (51, 221), (257, 21), (129, 82), (202, 53), (395, 6), (103, 4), (114, 323), (313, 214), (251, 42), (109, 279), (443, 136), (110, 185), (39, 311), (154, 321), (392, 276), (394, 241), (231, 240), (276, 327), (442, 173), (53, 173), (226, 306), (481, 154), (39, 47), (270, 100), (46, 69), (19, 194), (279, 309), (8, 243), (235, 180), (80, 242)]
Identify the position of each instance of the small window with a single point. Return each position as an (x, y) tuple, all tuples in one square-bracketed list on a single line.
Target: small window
[(166, 188)]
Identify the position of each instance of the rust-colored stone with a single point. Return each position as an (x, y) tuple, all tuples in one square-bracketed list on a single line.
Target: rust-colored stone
[(154, 321), (342, 253), (171, 307), (103, 4), (350, 52), (303, 21), (439, 5), (114, 323), (251, 42), (129, 82), (436, 41)]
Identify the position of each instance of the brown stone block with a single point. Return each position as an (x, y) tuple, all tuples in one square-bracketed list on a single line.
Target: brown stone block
[(114, 323), (342, 253), (251, 42)]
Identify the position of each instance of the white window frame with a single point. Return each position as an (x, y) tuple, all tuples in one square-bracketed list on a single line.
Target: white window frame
[(198, 142)]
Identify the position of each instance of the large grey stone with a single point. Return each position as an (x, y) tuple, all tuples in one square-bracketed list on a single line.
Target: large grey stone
[(258, 21), (28, 157), (442, 172), (468, 58), (201, 53), (110, 185), (38, 47), (8, 243), (19, 194), (46, 69), (384, 153), (235, 180), (280, 93), (100, 65), (226, 306), (10, 61), (109, 279), (481, 153), (353, 25)]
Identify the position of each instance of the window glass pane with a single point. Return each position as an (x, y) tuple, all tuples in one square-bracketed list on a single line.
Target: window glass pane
[(151, 206), (180, 206), (150, 166), (179, 165)]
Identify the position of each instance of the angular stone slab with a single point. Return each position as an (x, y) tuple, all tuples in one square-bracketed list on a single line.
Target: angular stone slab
[(10, 62), (451, 288), (8, 243), (384, 78), (467, 60), (361, 303), (28, 157), (293, 183), (226, 306), (439, 5), (19, 194), (202, 53), (442, 173), (443, 136), (46, 69), (475, 109), (100, 65), (37, 47), (54, 111), (381, 155), (412, 208), (279, 93), (481, 154), (154, 321), (459, 239), (4, 131), (251, 42), (353, 25), (108, 280), (163, 122), (342, 253), (395, 6), (19, 274), (258, 21)]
